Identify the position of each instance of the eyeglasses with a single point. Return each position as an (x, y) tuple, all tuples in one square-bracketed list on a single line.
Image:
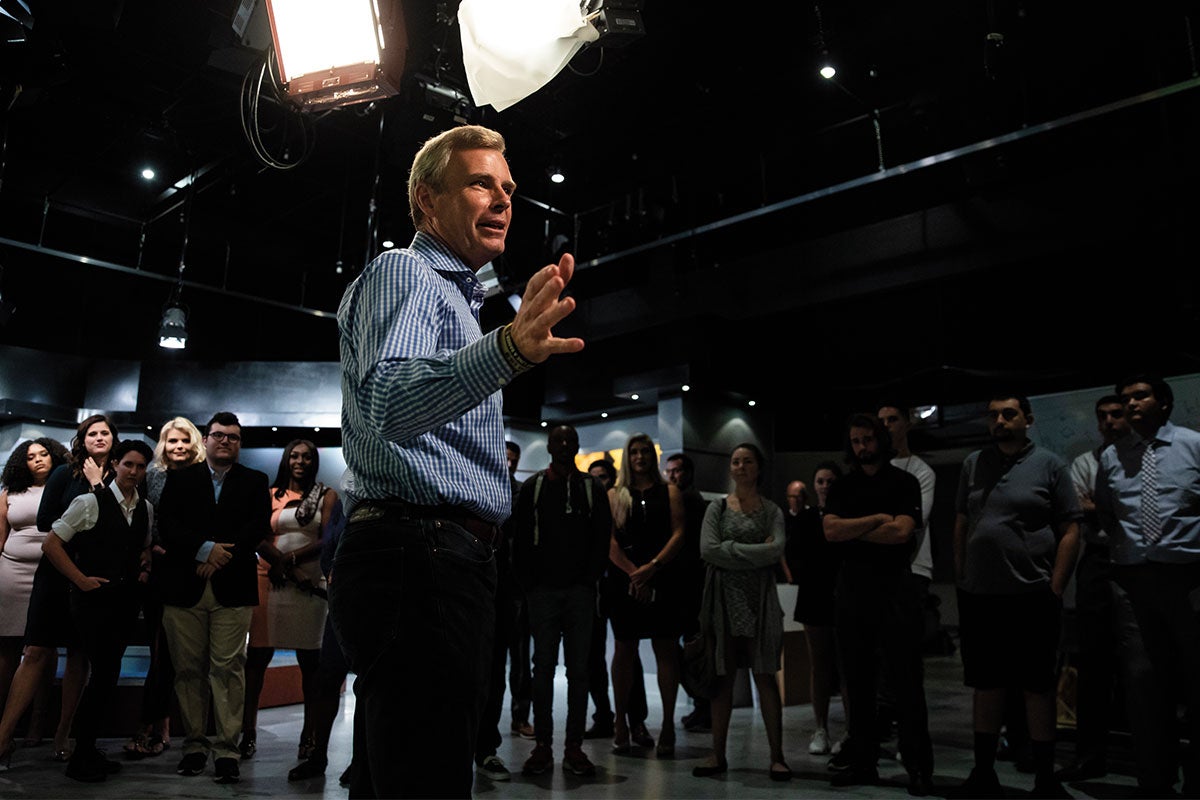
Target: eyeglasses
[(220, 436)]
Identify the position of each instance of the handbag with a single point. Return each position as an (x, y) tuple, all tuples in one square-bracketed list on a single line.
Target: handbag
[(699, 676)]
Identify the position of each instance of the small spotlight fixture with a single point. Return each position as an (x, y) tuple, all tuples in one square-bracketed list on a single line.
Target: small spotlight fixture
[(274, 429), (556, 175), (603, 415), (172, 330), (685, 388), (635, 396), (827, 71), (388, 244), (316, 430), (751, 403), (544, 423), (148, 174)]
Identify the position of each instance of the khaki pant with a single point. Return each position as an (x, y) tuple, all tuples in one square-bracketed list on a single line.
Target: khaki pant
[(208, 648)]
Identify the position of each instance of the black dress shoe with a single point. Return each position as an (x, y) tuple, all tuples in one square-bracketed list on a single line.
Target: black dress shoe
[(640, 736), (1082, 770), (86, 770), (856, 777), (920, 784), (225, 770), (706, 771), (599, 730), (344, 778), (312, 767)]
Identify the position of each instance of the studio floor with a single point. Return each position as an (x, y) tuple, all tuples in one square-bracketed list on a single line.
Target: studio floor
[(639, 775)]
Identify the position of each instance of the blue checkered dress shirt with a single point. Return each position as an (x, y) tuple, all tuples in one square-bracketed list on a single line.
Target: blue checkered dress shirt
[(421, 400)]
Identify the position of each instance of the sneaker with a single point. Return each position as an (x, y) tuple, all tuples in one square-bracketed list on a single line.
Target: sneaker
[(192, 764), (225, 770), (493, 768), (837, 746), (540, 760), (819, 745), (576, 762)]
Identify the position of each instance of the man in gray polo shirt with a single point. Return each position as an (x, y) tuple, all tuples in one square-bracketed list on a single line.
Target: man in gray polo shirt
[(1016, 534)]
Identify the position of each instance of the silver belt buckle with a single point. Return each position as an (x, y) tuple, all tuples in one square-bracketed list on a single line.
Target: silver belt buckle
[(367, 512)]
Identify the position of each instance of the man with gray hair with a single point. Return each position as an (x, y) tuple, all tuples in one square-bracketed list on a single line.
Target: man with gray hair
[(412, 587)]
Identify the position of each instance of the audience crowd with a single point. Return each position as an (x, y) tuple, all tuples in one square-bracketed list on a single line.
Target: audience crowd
[(224, 566)]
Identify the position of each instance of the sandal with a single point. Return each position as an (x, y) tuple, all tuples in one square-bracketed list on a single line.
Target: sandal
[(155, 745), (136, 748), (308, 747)]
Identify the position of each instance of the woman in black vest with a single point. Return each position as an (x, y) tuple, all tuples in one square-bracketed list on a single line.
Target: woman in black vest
[(111, 532)]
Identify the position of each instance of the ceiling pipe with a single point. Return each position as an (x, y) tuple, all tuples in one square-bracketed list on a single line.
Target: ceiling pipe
[(902, 169)]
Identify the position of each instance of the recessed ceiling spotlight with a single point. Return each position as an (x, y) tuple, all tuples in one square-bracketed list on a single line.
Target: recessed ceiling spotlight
[(388, 244), (556, 175), (685, 388), (635, 396), (544, 423), (273, 428), (751, 403), (603, 415), (316, 430), (148, 174)]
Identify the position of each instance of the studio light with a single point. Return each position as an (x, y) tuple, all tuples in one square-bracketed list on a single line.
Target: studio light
[(172, 331), (512, 48), (333, 55)]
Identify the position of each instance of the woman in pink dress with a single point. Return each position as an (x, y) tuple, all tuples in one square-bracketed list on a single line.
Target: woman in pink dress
[(23, 479)]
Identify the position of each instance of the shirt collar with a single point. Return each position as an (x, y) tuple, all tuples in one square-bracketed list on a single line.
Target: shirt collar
[(445, 261), (117, 493)]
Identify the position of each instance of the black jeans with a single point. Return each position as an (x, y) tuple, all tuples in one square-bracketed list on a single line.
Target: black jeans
[(104, 618), (561, 616), (878, 618), (488, 740), (413, 605), (1165, 599)]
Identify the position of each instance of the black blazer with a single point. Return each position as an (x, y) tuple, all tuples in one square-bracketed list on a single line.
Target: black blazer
[(188, 516)]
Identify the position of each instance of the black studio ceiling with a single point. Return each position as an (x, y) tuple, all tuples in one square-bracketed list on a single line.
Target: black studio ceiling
[(952, 212)]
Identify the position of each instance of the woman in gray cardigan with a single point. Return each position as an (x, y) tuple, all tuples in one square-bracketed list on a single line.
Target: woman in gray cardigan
[(741, 541)]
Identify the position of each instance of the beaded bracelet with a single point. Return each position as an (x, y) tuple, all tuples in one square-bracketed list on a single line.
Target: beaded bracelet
[(512, 355)]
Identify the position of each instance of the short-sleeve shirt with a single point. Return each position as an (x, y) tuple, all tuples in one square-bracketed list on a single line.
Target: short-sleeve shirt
[(1014, 507), (889, 491)]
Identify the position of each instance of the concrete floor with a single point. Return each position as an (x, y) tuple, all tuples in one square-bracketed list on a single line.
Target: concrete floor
[(626, 776)]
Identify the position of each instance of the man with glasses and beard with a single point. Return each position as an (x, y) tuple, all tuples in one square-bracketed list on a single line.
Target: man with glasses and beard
[(873, 511), (1016, 533)]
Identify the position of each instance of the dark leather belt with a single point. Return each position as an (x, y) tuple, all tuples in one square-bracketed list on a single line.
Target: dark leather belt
[(478, 527)]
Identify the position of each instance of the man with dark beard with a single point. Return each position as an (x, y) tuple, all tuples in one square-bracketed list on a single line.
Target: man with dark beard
[(1016, 534), (874, 511)]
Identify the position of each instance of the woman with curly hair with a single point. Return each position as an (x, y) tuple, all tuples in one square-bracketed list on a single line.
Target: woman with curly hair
[(49, 625), (23, 479)]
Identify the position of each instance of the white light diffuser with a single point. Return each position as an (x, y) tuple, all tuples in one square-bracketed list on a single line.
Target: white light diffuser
[(512, 48)]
